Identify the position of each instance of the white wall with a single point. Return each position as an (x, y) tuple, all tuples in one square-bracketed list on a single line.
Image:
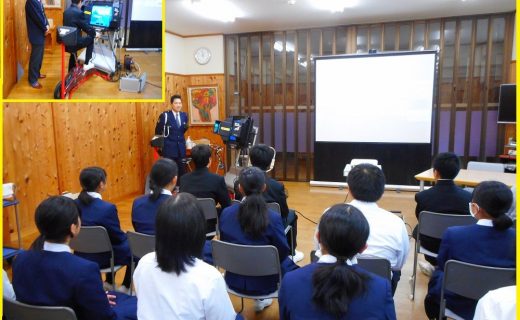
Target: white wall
[(180, 52)]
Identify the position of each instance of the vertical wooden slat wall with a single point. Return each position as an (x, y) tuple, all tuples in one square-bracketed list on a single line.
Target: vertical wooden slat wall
[(455, 90)]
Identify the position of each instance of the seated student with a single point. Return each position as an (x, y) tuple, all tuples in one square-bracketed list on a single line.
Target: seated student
[(489, 242), (262, 156), (163, 178), (388, 237), (49, 275), (96, 212), (497, 304), (203, 184), (252, 223), (173, 282), (443, 197), (333, 288)]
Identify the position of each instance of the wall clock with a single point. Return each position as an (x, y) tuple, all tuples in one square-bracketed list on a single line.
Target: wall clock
[(202, 55)]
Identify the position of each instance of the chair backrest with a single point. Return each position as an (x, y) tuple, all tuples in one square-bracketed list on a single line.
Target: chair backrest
[(246, 260), (274, 206), (15, 310), (140, 243), (208, 207), (91, 239), (378, 266), (434, 224), (485, 166), (474, 281)]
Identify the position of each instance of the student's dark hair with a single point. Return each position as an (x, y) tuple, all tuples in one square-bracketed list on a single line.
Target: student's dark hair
[(447, 164), (53, 218), (200, 154), (343, 232), (496, 198), (75, 1), (175, 96), (180, 232), (162, 173), (252, 214), (89, 179), (366, 182), (261, 156)]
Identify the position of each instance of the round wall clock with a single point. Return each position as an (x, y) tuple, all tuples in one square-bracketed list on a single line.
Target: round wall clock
[(202, 55)]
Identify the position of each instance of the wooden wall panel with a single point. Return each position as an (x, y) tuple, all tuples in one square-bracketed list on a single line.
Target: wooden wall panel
[(23, 47), (29, 157), (147, 115), (98, 134), (55, 14), (9, 67)]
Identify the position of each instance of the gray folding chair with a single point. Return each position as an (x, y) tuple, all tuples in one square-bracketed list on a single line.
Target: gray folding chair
[(95, 239), (209, 207), (247, 260), (378, 266), (472, 281), (15, 310), (140, 244), (433, 225)]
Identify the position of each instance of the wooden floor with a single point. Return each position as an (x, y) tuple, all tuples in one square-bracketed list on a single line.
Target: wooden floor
[(310, 203), (95, 87)]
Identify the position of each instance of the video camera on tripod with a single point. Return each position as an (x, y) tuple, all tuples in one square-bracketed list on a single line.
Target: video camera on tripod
[(236, 132)]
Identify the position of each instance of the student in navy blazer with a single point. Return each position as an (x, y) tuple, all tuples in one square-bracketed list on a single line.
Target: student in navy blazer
[(49, 275), (251, 223), (490, 242), (333, 288), (96, 212), (163, 178), (173, 124), (37, 28)]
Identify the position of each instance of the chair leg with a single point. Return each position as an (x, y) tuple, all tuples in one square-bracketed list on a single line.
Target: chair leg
[(18, 226), (413, 278), (293, 253), (241, 305), (113, 274), (132, 267)]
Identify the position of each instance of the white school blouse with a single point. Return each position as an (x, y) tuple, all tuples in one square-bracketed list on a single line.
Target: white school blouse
[(198, 293)]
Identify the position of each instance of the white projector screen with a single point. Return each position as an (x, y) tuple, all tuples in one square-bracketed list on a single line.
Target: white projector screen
[(146, 10), (384, 98)]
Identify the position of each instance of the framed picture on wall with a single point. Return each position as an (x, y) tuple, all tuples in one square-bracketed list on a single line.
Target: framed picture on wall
[(203, 105)]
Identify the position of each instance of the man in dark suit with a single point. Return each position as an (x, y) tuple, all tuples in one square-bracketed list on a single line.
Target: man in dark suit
[(74, 17), (443, 197), (37, 28), (203, 184), (173, 124)]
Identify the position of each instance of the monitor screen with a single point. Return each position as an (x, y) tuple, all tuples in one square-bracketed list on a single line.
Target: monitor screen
[(101, 16), (507, 103)]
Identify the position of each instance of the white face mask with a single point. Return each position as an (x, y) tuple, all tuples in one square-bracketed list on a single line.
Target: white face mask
[(471, 211)]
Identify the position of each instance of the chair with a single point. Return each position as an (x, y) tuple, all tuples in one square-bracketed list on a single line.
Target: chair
[(433, 225), (15, 310), (378, 266), (485, 166), (472, 281), (95, 239), (355, 162), (247, 260), (274, 206), (209, 207), (10, 200), (140, 244)]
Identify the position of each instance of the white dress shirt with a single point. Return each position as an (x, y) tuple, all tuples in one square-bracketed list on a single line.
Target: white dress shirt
[(94, 195), (198, 293), (499, 304), (388, 237)]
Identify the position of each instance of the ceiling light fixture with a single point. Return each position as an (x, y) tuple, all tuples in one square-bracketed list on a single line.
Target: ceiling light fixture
[(221, 10), (334, 5), (291, 2)]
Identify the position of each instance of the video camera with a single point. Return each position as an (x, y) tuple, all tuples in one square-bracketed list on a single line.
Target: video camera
[(236, 131)]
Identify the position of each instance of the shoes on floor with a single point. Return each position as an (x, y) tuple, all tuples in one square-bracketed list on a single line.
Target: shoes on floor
[(88, 66), (298, 256), (36, 85), (42, 76), (426, 268), (261, 304)]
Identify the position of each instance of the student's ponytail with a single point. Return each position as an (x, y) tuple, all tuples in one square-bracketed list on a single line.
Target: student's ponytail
[(335, 285), (252, 214), (90, 178), (343, 232), (502, 222)]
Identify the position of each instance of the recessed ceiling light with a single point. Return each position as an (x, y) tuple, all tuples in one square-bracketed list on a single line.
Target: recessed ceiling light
[(221, 10), (334, 5), (291, 2)]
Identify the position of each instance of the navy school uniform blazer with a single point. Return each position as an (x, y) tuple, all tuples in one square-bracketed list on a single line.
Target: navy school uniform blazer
[(144, 212), (103, 213), (174, 143), (275, 192), (295, 297), (475, 244), (48, 278), (36, 22), (231, 231), (203, 184)]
